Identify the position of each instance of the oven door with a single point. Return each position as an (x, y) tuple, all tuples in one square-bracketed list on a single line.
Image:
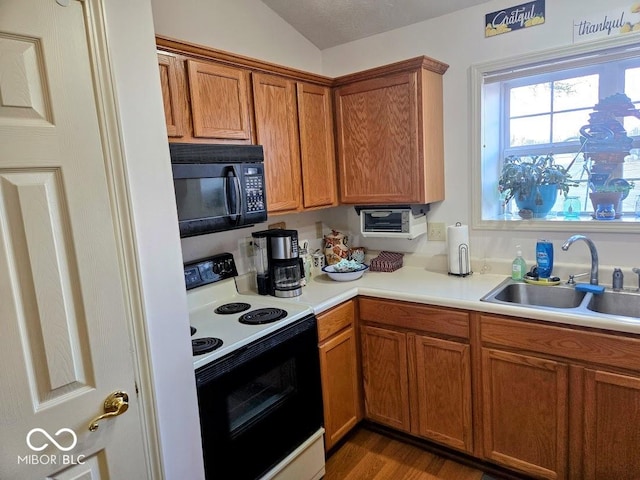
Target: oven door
[(259, 403)]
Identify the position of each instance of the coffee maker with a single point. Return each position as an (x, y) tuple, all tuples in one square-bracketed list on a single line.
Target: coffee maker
[(279, 267)]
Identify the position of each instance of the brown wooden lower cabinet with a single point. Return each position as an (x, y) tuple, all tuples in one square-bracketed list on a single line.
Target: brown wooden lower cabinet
[(414, 380), (560, 402), (525, 410), (443, 391), (385, 377), (552, 401), (611, 426), (339, 372)]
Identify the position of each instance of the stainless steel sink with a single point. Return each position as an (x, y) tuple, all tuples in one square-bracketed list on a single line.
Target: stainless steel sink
[(626, 304), (525, 294), (565, 298), (542, 296)]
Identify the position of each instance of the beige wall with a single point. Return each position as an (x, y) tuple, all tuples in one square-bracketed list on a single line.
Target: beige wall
[(245, 27), (457, 39), (158, 256)]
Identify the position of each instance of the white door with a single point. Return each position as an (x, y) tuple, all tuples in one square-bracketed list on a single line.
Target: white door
[(64, 311)]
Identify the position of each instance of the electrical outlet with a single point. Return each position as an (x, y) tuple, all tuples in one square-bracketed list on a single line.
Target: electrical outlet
[(435, 232), (245, 247)]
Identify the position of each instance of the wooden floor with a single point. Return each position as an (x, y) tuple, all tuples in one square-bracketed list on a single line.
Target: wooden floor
[(367, 455)]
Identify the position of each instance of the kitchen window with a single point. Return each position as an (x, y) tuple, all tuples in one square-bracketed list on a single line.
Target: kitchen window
[(577, 107)]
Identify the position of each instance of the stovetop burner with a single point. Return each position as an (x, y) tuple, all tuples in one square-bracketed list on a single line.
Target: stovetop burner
[(262, 315), (230, 308), (204, 345)]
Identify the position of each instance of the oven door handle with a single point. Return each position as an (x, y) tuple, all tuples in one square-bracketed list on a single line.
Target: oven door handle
[(233, 196)]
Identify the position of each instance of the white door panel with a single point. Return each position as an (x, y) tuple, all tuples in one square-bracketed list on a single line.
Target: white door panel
[(64, 317)]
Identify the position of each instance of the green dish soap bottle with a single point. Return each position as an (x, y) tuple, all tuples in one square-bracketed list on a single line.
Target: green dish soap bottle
[(519, 266)]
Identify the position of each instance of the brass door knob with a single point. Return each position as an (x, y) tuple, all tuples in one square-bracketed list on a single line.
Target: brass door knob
[(115, 404)]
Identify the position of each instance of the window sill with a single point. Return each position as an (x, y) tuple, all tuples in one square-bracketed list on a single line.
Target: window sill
[(628, 223)]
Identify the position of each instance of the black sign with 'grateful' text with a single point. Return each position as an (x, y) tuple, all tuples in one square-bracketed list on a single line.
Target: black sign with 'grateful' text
[(514, 18)]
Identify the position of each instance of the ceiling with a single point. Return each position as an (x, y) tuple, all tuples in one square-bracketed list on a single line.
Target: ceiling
[(327, 23)]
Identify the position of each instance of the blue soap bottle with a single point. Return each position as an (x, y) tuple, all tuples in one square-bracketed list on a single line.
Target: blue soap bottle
[(544, 258)]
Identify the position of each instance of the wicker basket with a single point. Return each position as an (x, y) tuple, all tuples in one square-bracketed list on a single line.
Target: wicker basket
[(386, 262)]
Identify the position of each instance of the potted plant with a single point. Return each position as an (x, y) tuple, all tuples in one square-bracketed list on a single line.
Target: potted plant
[(534, 182), (612, 192)]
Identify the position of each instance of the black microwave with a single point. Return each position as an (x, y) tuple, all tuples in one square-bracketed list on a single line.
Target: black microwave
[(218, 187)]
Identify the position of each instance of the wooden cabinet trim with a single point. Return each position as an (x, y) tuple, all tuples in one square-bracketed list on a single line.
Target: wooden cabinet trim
[(590, 347), (404, 65), (415, 316), (431, 135), (336, 319), (206, 53)]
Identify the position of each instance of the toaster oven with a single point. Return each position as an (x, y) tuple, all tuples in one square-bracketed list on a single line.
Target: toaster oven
[(393, 222)]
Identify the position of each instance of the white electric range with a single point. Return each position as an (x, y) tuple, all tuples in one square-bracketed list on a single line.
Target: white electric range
[(212, 312), (259, 372)]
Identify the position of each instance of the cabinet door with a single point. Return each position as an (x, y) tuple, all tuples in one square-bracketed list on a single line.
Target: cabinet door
[(525, 416), (385, 377), (171, 95), (219, 101), (377, 125), (339, 385), (612, 426), (277, 131), (317, 152), (443, 391)]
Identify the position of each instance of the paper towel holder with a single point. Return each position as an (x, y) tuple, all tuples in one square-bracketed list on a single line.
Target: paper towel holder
[(463, 259)]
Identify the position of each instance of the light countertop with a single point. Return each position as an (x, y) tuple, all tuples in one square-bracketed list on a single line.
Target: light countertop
[(417, 284)]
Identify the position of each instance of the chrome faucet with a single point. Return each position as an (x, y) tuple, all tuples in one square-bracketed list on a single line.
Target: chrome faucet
[(593, 275)]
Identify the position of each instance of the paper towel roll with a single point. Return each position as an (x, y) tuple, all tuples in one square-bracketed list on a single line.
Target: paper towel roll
[(458, 248)]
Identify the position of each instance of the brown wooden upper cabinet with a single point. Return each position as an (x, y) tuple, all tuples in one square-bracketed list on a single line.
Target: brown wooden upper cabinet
[(227, 98), (390, 134), (388, 122), (294, 125), (171, 95), (295, 128), (205, 102), (277, 131), (317, 149), (219, 101)]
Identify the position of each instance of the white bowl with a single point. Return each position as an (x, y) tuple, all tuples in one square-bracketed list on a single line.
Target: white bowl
[(344, 276)]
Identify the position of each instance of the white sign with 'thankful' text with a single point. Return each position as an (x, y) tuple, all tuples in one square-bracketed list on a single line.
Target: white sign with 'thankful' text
[(620, 21)]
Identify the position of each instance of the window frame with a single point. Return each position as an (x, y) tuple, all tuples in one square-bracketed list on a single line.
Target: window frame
[(477, 74)]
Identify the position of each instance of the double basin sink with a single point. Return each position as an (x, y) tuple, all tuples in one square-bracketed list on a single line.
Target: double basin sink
[(566, 299)]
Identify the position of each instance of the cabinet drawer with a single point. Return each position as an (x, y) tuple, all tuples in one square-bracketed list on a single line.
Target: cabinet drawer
[(415, 316), (592, 347), (336, 319)]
